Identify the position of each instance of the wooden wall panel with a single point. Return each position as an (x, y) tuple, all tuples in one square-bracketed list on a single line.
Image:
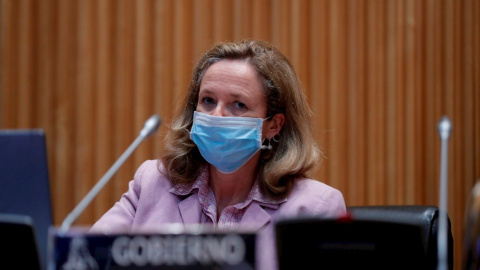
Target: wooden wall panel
[(378, 76)]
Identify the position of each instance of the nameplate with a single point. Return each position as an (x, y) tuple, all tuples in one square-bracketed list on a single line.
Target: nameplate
[(153, 251)]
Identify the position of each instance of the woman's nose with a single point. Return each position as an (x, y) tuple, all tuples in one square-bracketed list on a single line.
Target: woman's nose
[(219, 111)]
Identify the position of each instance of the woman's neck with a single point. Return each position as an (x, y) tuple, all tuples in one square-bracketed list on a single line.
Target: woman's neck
[(230, 189)]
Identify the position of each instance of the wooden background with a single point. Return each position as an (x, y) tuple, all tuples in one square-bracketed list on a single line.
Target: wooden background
[(378, 75)]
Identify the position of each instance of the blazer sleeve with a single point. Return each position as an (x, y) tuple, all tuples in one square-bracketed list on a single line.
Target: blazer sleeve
[(335, 203)]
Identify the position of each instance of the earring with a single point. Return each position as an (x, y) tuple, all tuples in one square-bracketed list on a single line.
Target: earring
[(276, 138)]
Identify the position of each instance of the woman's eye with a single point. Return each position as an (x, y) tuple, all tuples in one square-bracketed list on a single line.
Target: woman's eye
[(208, 100), (240, 105)]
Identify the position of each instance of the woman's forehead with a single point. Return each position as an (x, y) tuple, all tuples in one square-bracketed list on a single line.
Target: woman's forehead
[(231, 75)]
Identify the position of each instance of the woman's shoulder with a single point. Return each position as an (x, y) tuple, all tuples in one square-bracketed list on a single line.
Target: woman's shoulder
[(314, 197), (151, 173), (306, 186)]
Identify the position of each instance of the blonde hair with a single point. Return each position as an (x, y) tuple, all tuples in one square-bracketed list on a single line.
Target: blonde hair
[(292, 156)]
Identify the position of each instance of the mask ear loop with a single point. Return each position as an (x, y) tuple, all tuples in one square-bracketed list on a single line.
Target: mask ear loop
[(268, 145)]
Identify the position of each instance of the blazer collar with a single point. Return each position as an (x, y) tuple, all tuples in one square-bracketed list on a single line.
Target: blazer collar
[(255, 217)]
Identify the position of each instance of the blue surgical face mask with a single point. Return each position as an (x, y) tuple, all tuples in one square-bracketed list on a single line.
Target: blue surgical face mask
[(227, 142)]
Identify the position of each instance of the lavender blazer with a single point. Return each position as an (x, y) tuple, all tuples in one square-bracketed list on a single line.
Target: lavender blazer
[(148, 202)]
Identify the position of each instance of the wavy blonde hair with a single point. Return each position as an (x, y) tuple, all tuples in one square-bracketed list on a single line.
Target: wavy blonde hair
[(292, 156)]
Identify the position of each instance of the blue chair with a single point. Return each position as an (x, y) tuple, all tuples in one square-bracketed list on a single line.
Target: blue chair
[(24, 182)]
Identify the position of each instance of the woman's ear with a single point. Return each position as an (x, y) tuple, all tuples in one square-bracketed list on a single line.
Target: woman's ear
[(274, 126)]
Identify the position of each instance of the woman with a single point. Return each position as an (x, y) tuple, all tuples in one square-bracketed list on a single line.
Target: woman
[(237, 154)]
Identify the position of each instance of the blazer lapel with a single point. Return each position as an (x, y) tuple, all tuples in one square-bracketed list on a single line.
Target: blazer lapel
[(255, 217), (190, 209)]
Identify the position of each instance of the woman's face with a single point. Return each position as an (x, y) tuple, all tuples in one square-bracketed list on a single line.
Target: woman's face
[(232, 88)]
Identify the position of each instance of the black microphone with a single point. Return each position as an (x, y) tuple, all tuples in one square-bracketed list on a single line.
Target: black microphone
[(150, 127), (444, 130)]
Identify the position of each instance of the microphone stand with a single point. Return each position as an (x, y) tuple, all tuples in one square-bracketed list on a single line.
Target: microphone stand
[(150, 127), (444, 129)]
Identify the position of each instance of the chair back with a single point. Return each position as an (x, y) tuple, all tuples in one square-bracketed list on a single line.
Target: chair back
[(424, 216), (369, 237), (24, 181)]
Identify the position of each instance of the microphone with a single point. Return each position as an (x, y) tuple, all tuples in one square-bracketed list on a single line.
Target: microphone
[(150, 127), (444, 130)]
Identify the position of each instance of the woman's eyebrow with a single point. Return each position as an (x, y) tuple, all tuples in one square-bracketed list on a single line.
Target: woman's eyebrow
[(206, 90), (233, 95)]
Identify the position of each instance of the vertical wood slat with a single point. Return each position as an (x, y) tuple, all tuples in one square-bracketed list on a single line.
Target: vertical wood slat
[(143, 97), (408, 110), (5, 14), (45, 72), (10, 67), (104, 120), (381, 29), (453, 96), (469, 97), (242, 25), (394, 36), (476, 86), (125, 129), (431, 104), (300, 50), (375, 110), (183, 54), (281, 29), (203, 30), (419, 75), (338, 118), (25, 65), (378, 75), (352, 41), (164, 46), (406, 68), (319, 78), (413, 110), (224, 18), (357, 177), (86, 101), (261, 19), (63, 159)]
